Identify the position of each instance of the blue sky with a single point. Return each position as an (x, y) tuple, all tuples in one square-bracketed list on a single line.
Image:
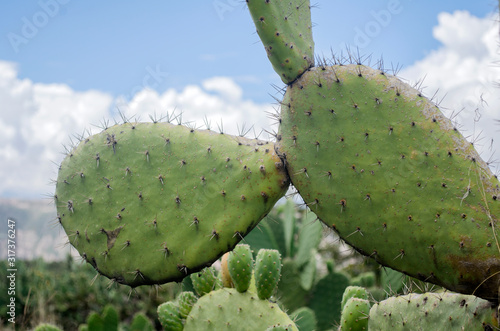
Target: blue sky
[(107, 45), (67, 64)]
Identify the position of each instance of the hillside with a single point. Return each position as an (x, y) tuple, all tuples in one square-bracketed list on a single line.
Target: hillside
[(37, 232)]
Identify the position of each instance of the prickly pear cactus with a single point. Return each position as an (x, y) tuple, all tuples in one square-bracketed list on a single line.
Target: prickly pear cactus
[(149, 203), (433, 311), (186, 300), (205, 281), (382, 166), (267, 272), (353, 292), (226, 309), (355, 314), (170, 316), (286, 31), (240, 266)]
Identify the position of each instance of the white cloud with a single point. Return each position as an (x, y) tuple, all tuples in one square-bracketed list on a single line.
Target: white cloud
[(218, 100), (36, 120), (464, 71)]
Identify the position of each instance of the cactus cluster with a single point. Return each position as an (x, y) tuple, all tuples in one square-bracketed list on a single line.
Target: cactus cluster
[(247, 306), (375, 160)]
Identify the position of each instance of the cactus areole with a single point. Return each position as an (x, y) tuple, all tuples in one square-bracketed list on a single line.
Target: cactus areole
[(382, 166)]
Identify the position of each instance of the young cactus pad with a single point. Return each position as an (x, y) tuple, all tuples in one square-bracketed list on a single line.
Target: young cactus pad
[(267, 272), (286, 31), (382, 166), (149, 203), (240, 267)]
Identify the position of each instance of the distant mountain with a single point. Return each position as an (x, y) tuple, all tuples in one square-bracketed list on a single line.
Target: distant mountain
[(38, 233)]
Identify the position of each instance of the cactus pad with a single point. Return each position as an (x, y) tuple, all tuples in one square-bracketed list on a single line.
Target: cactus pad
[(285, 30), (353, 292), (186, 300), (433, 311), (228, 309), (149, 203), (355, 314), (381, 165), (240, 266), (267, 272), (169, 316), (205, 281)]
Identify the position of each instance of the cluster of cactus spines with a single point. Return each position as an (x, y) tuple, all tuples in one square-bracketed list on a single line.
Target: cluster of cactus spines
[(433, 311), (383, 167), (355, 315), (286, 31), (225, 308), (240, 266), (267, 272), (148, 203)]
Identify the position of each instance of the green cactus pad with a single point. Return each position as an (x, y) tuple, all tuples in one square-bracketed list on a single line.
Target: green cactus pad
[(240, 266), (382, 166), (291, 295), (169, 316), (433, 311), (141, 322), (149, 203), (355, 314), (228, 309), (205, 281), (267, 272), (326, 299), (353, 292), (186, 300), (285, 30), (305, 319)]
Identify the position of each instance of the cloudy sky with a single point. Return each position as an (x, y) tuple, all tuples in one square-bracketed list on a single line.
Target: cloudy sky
[(66, 66)]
